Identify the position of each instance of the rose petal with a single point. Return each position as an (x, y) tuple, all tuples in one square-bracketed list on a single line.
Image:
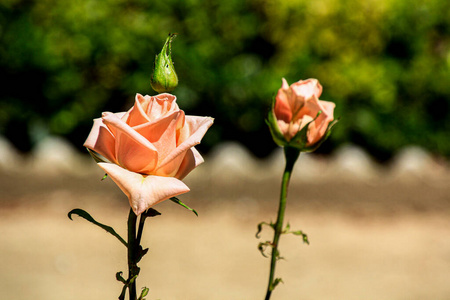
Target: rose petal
[(137, 115), (101, 140), (282, 108), (162, 135), (191, 160), (192, 133), (160, 105), (307, 88), (133, 151), (144, 192), (319, 127), (310, 108)]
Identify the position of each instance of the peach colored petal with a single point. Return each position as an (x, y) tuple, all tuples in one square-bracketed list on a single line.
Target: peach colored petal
[(319, 127), (101, 140), (284, 129), (284, 84), (137, 115), (144, 192), (162, 135), (328, 108), (310, 108), (133, 151), (194, 129), (160, 105), (307, 88), (282, 108), (191, 160)]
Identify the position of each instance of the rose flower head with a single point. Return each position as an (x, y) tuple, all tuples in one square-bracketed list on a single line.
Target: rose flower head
[(164, 78), (298, 118), (149, 149)]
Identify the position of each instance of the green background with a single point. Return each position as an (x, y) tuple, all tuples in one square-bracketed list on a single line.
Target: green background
[(385, 63)]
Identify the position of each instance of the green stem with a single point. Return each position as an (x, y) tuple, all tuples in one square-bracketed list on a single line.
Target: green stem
[(291, 155), (133, 269)]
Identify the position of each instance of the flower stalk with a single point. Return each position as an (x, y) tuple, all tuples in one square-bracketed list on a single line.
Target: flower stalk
[(133, 269), (291, 155)]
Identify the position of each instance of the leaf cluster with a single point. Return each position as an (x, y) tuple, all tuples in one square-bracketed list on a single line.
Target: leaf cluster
[(262, 246)]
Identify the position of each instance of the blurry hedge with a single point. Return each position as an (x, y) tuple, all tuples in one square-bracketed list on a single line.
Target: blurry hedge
[(386, 64)]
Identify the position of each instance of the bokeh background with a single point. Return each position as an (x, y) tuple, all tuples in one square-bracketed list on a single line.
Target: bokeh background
[(386, 64), (374, 199)]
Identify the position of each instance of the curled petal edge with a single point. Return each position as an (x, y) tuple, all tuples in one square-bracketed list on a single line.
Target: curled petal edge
[(144, 191)]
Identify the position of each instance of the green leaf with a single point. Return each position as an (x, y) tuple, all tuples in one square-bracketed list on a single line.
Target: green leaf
[(302, 234), (260, 225), (288, 227), (177, 201), (120, 278), (263, 246), (85, 215), (276, 282), (143, 293)]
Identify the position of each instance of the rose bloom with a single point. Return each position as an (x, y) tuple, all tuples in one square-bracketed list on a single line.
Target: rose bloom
[(149, 148), (297, 105)]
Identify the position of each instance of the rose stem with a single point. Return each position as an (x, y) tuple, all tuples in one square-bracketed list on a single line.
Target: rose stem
[(133, 269), (291, 155)]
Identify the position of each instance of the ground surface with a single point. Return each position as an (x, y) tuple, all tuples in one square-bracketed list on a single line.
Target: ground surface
[(369, 240)]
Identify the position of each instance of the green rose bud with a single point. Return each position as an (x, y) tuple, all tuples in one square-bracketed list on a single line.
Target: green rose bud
[(164, 79)]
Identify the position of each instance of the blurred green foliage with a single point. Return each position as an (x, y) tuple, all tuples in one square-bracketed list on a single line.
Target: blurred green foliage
[(385, 63)]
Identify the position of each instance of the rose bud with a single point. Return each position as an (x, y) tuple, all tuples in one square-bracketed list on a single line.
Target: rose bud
[(298, 118), (164, 78)]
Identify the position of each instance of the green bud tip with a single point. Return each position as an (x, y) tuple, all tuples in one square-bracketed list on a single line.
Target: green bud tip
[(164, 78)]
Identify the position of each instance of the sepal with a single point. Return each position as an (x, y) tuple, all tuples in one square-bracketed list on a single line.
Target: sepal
[(178, 201), (275, 131), (85, 215), (97, 156)]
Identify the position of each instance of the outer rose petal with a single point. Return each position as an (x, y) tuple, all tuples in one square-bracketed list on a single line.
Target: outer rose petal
[(282, 107), (144, 192), (194, 130), (101, 139), (307, 88), (318, 129), (191, 160)]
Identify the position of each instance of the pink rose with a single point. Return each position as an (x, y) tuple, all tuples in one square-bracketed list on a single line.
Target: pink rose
[(295, 107), (149, 148)]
